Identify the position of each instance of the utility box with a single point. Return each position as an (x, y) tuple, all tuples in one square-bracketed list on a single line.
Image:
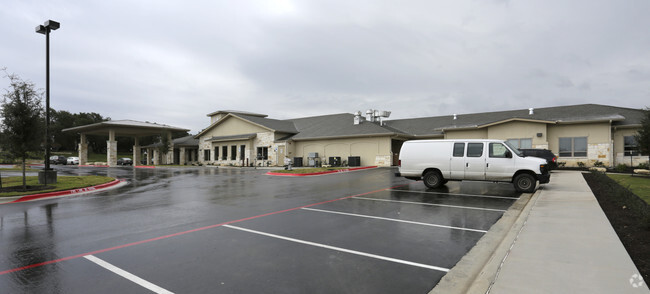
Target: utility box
[(335, 161), (297, 161), (354, 161)]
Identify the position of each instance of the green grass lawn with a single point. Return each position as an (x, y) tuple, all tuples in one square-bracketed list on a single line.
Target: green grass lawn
[(637, 185), (63, 183)]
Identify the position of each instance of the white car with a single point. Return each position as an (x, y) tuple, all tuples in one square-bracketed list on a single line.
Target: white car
[(73, 160)]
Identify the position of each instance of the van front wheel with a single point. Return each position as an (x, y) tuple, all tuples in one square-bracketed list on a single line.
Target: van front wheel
[(433, 179), (525, 183)]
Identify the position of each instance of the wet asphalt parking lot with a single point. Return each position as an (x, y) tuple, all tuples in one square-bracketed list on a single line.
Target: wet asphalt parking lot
[(230, 230)]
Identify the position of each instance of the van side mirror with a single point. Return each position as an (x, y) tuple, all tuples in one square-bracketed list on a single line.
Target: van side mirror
[(508, 154)]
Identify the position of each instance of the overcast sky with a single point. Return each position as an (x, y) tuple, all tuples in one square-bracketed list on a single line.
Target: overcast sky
[(173, 62)]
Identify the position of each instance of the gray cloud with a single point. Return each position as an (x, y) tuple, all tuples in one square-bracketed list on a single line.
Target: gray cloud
[(173, 62)]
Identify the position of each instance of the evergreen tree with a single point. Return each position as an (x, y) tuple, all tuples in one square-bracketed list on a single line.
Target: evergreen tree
[(22, 122), (643, 135)]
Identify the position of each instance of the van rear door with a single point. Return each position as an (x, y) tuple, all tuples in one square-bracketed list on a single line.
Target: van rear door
[(457, 164), (475, 161)]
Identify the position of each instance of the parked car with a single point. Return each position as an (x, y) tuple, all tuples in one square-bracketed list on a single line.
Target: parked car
[(542, 153), (73, 160), (58, 159), (439, 161), (125, 161)]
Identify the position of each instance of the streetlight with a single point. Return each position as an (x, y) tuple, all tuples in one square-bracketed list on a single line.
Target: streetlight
[(47, 174)]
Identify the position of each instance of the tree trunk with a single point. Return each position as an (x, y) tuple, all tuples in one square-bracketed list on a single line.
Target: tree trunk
[(24, 177)]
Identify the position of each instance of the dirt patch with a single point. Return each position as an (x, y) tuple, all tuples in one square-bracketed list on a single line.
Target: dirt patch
[(629, 216)]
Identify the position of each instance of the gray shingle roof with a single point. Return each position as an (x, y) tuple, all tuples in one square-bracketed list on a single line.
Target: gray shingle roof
[(561, 114), (336, 125), (342, 125)]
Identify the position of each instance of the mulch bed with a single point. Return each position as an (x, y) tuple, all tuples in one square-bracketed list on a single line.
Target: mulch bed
[(29, 188), (629, 216)]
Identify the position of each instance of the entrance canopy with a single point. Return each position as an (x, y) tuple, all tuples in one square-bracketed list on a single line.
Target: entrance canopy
[(125, 128)]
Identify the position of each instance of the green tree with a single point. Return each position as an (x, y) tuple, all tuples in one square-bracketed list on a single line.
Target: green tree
[(643, 135), (22, 121)]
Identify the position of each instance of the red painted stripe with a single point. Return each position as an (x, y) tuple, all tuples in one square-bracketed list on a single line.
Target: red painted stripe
[(320, 173), (67, 192), (145, 166), (184, 232)]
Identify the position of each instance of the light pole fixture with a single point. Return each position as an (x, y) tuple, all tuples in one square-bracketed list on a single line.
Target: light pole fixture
[(48, 175)]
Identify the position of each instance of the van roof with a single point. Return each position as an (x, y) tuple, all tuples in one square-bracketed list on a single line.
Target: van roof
[(457, 140)]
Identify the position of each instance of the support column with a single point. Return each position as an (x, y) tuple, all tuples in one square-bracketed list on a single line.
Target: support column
[(136, 151), (111, 149), (170, 151), (181, 156), (83, 150), (156, 157)]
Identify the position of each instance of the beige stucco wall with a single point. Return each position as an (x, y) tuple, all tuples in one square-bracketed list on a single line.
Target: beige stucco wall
[(466, 134), (520, 130), (599, 147), (372, 150)]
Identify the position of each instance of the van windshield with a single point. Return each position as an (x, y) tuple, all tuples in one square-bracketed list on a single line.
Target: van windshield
[(513, 148)]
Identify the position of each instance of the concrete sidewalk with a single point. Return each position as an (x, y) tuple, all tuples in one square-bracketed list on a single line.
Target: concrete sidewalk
[(567, 245)]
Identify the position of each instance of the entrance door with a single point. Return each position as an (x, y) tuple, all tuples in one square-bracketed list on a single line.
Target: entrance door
[(281, 153)]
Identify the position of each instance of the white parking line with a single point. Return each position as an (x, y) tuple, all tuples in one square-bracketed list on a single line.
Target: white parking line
[(454, 194), (442, 269), (127, 275), (430, 204), (395, 220)]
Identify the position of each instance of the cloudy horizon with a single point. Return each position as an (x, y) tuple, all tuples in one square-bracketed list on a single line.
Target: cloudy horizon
[(173, 62)]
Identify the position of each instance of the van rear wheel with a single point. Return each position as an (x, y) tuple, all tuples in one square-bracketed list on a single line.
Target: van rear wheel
[(525, 183), (433, 179)]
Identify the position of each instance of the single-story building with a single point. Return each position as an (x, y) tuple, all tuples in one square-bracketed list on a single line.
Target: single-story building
[(587, 133)]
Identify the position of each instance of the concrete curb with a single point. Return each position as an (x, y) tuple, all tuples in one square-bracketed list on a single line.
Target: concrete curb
[(321, 173), (110, 185), (478, 269)]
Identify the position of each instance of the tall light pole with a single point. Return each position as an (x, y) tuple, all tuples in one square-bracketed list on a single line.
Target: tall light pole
[(48, 175)]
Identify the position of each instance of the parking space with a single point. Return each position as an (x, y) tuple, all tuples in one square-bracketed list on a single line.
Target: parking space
[(390, 236)]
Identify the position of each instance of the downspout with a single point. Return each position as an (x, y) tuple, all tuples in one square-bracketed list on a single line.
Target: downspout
[(611, 145)]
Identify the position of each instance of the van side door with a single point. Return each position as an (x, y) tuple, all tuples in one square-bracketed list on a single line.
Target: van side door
[(457, 164), (475, 161), (499, 166)]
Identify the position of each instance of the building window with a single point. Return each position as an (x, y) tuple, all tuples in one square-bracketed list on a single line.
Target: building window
[(224, 152), (459, 149), (630, 146), (573, 147), (262, 153), (522, 143), (474, 149), (206, 155), (216, 153), (242, 152), (233, 152)]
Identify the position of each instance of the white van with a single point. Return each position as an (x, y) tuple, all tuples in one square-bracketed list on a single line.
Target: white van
[(439, 161)]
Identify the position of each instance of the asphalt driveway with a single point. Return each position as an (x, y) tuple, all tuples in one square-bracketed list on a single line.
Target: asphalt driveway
[(197, 230)]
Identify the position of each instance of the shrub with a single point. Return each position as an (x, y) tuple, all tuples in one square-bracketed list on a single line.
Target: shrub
[(644, 165), (581, 164), (621, 167), (599, 163), (561, 164)]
